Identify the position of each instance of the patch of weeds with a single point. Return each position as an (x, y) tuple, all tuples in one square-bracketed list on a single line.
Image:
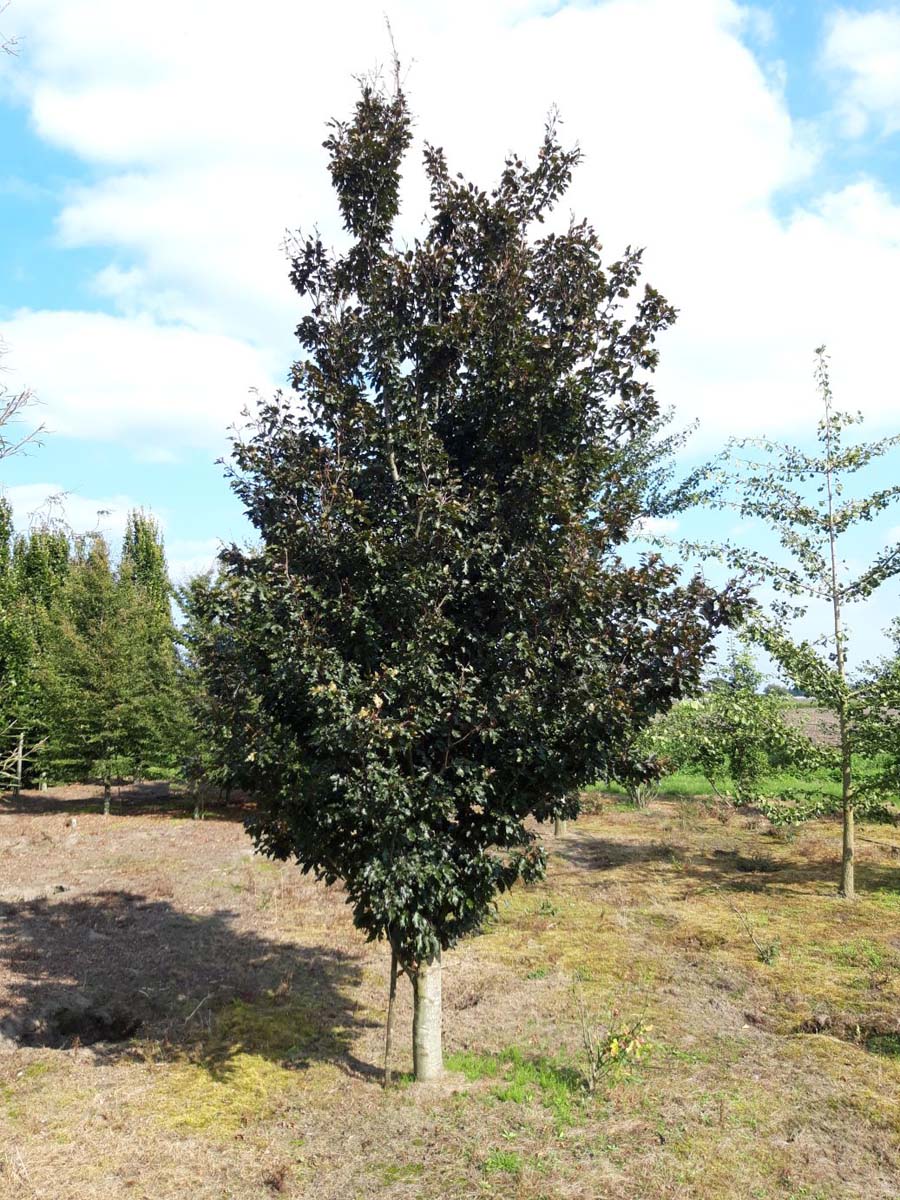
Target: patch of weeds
[(888, 898), (399, 1172), (507, 1161), (694, 1057), (862, 952), (614, 1052), (766, 951), (522, 1080), (193, 1099), (887, 1044), (14, 1095), (538, 973), (475, 1066), (34, 1070), (547, 908)]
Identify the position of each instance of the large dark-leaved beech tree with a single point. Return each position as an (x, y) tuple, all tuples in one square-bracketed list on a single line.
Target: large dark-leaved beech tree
[(436, 637)]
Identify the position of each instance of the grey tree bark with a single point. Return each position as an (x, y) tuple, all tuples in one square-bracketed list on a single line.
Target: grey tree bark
[(428, 1058)]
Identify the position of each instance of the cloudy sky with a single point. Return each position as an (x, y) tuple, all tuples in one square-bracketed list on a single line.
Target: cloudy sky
[(155, 156)]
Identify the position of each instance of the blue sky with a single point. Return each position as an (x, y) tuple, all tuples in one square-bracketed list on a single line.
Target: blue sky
[(153, 160)]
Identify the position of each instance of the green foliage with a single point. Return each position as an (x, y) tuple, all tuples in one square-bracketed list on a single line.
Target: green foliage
[(223, 717), (436, 637), (875, 717), (734, 736), (88, 653)]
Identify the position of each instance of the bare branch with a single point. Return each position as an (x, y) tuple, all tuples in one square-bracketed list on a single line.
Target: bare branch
[(8, 45), (12, 407)]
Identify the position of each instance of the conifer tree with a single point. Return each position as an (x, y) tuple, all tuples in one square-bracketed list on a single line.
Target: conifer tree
[(155, 711), (103, 676)]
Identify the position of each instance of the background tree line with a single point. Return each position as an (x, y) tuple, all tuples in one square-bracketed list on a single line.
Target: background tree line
[(89, 669)]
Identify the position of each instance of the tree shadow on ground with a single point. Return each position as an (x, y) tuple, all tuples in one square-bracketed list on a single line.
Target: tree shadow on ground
[(591, 853), (114, 966), (732, 870), (150, 798)]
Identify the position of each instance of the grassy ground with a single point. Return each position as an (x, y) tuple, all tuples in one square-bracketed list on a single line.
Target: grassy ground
[(774, 1006), (683, 783)]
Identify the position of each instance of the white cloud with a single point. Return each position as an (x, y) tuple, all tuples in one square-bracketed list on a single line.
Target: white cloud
[(158, 387), (863, 49), (654, 526), (203, 125), (191, 556)]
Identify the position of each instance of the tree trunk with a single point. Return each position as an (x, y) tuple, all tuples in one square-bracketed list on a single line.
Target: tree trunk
[(107, 796), (20, 754), (848, 883), (428, 1060), (848, 880), (559, 826), (389, 1025)]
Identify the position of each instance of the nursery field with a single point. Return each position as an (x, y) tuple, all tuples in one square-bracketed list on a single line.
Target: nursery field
[(179, 1017)]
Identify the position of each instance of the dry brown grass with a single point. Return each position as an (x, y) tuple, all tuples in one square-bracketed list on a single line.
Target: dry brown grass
[(253, 1072)]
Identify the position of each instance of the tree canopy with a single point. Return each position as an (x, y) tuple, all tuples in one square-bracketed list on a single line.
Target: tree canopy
[(436, 637)]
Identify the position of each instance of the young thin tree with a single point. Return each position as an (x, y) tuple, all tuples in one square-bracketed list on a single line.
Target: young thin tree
[(437, 638), (803, 498)]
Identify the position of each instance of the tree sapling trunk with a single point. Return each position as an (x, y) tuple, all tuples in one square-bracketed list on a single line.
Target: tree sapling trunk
[(428, 1061), (389, 1026)]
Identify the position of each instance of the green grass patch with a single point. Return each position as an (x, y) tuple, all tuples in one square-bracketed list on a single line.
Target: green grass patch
[(687, 783), (887, 1044), (861, 952), (522, 1080), (400, 1172), (505, 1161)]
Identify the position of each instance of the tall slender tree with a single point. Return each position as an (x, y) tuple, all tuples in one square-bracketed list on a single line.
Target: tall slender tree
[(155, 711), (437, 636), (805, 499)]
